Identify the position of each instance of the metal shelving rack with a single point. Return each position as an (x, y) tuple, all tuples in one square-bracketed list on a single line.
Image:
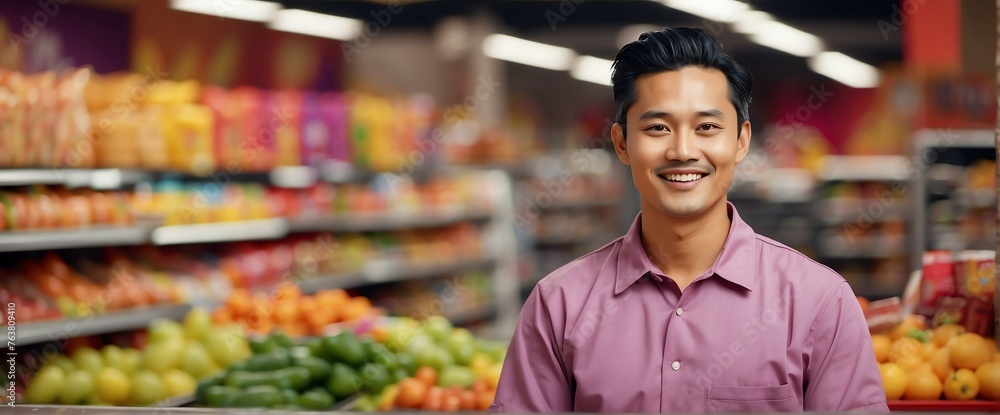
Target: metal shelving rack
[(498, 236), (934, 149)]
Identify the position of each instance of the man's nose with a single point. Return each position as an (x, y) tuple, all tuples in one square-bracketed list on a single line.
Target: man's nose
[(682, 146)]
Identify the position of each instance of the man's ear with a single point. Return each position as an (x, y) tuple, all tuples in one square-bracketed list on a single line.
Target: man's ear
[(618, 137), (743, 141)]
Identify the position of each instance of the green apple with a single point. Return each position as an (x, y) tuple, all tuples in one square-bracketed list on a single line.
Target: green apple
[(162, 330), (438, 327), (77, 388), (113, 356), (456, 376), (197, 323), (86, 358), (196, 361), (45, 386), (64, 362), (147, 388)]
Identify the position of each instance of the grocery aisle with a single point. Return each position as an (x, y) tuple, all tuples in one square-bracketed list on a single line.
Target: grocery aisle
[(342, 205)]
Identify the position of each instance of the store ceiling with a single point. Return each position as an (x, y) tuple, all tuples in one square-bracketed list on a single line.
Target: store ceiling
[(593, 26)]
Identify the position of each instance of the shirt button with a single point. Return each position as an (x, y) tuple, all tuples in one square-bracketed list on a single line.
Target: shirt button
[(680, 311), (675, 365)]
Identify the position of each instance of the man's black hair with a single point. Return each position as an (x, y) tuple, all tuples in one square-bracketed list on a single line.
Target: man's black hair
[(672, 49)]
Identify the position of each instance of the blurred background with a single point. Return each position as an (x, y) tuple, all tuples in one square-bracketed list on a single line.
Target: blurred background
[(440, 157)]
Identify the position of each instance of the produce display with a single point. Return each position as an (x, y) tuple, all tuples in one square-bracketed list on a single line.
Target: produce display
[(459, 295), (167, 364), (78, 286), (405, 364), (289, 312), (937, 341), (42, 207)]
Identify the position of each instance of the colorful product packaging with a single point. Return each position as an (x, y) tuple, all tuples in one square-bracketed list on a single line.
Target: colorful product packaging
[(938, 280), (336, 109), (975, 273), (284, 121), (315, 131), (256, 150)]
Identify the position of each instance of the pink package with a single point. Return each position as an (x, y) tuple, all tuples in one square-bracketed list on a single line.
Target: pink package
[(315, 131), (335, 109)]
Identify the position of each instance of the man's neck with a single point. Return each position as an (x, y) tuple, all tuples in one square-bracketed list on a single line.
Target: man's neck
[(684, 248)]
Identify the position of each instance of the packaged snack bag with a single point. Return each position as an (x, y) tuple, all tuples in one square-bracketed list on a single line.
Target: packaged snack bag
[(284, 121), (975, 273), (256, 149), (316, 128), (228, 133), (937, 280), (336, 110)]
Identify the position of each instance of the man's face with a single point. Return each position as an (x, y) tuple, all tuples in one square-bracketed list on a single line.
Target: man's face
[(683, 141)]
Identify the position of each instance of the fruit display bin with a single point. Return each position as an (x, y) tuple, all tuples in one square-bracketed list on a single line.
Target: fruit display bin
[(96, 410), (945, 406)]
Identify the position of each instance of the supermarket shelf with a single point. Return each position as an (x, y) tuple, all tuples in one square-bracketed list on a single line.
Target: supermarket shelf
[(100, 179), (842, 247), (262, 229), (976, 198), (378, 273), (379, 222), (112, 322), (176, 401), (848, 210), (90, 237), (956, 139), (558, 204), (473, 316), (864, 168)]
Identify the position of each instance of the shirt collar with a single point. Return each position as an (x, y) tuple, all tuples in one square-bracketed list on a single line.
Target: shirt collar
[(734, 264)]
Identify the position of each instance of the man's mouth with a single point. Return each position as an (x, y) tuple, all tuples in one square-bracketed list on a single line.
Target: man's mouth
[(686, 177)]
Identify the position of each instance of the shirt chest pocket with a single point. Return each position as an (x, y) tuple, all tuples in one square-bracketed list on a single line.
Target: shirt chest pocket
[(735, 399)]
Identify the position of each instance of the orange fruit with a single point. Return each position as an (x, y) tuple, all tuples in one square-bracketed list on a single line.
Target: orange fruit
[(969, 351), (992, 344), (941, 362), (909, 323), (961, 385), (923, 386), (893, 380), (905, 349), (881, 343), (240, 302), (927, 350), (286, 312), (988, 376), (946, 332)]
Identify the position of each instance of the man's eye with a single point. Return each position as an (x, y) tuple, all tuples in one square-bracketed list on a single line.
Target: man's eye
[(707, 127), (657, 127)]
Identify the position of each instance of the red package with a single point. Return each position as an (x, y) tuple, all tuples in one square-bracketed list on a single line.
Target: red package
[(974, 273), (884, 314), (228, 128), (979, 317), (256, 150), (938, 280)]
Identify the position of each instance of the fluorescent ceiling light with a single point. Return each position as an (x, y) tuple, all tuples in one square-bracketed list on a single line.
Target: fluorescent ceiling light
[(591, 69), (845, 69), (526, 52), (750, 21), (718, 10), (777, 35), (252, 10), (316, 24)]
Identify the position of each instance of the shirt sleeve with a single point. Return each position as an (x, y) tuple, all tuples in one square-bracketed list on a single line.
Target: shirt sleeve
[(842, 373), (534, 377)]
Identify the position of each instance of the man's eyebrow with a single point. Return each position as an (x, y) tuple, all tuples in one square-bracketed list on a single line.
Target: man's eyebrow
[(700, 114)]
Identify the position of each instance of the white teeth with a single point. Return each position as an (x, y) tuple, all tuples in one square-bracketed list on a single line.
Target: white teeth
[(682, 177)]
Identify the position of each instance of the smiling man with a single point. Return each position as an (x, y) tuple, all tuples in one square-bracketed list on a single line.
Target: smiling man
[(691, 310)]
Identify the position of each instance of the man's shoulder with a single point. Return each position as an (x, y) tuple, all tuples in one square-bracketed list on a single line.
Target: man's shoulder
[(796, 264), (584, 270)]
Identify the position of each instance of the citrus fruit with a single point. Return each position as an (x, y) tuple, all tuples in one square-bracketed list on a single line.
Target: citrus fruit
[(923, 386), (880, 345), (905, 349), (989, 380), (969, 351), (893, 380), (909, 323), (946, 332), (112, 386), (961, 385), (941, 362), (86, 358), (927, 350)]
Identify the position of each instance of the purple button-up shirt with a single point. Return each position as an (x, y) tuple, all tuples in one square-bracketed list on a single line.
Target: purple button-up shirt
[(764, 329)]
